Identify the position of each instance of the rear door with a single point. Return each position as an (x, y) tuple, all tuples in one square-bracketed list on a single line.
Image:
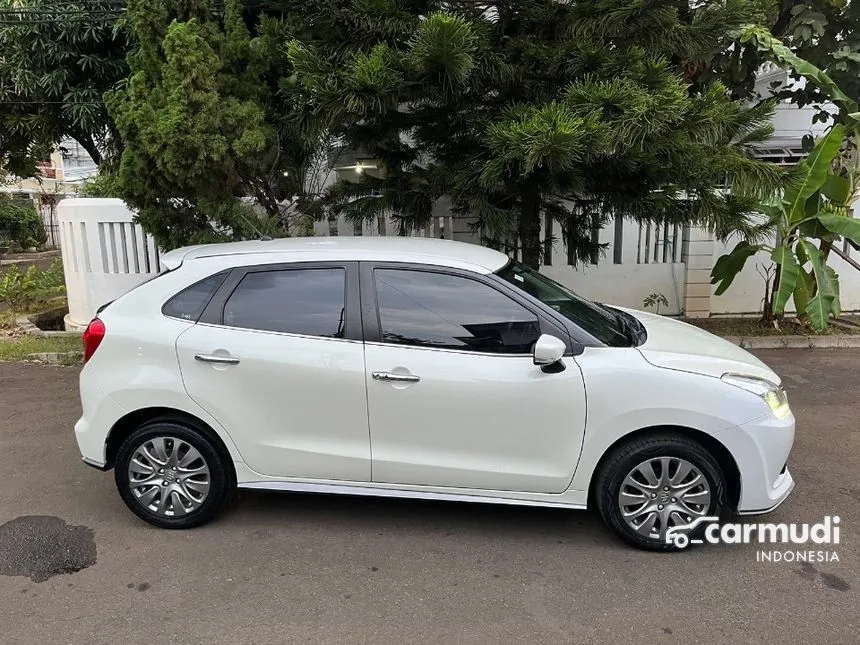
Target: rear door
[(277, 359)]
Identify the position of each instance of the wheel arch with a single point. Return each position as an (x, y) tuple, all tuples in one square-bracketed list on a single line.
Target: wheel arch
[(135, 419), (722, 455)]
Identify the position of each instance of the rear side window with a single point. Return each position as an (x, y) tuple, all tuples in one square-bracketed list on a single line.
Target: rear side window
[(293, 301), (189, 303)]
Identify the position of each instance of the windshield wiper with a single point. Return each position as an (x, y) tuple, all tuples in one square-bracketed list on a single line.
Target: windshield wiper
[(629, 326), (631, 334)]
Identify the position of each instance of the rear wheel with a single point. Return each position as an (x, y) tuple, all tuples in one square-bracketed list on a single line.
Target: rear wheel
[(651, 489), (171, 475)]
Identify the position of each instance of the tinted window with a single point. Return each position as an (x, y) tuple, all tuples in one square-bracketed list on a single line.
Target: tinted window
[(597, 320), (190, 303), (451, 312), (295, 301)]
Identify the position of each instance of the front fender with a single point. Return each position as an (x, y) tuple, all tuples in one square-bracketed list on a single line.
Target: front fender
[(626, 393)]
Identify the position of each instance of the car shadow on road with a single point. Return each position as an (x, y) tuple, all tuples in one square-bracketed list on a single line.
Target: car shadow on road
[(410, 516)]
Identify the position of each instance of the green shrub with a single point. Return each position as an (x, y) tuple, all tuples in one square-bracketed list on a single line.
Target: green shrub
[(22, 290), (103, 184), (21, 223)]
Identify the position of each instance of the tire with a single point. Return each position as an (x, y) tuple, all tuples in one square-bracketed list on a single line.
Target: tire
[(669, 451), (193, 485)]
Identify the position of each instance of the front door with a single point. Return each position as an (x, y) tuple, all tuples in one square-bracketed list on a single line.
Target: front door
[(454, 398), (278, 370)]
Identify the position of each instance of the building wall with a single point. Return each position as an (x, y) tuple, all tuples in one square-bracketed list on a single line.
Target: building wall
[(746, 292)]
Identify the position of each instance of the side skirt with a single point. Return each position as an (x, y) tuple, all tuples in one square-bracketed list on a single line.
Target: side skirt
[(367, 491)]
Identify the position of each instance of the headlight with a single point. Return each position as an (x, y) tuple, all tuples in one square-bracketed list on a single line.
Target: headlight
[(772, 394)]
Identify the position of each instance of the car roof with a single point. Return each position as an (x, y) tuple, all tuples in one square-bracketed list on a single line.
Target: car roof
[(418, 250)]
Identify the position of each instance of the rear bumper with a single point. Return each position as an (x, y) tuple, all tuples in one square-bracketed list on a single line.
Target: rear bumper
[(760, 449), (100, 413)]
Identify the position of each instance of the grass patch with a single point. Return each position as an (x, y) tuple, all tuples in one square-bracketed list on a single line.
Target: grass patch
[(9, 317), (746, 327), (19, 347)]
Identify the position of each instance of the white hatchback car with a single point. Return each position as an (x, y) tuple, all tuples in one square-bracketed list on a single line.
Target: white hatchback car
[(418, 368)]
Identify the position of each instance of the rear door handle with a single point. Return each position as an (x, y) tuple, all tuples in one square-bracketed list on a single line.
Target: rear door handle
[(398, 378), (222, 360)]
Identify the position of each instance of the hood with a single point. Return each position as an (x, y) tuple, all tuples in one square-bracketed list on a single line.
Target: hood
[(675, 345)]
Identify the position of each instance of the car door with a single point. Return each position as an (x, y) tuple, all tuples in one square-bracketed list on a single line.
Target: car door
[(277, 359), (454, 398)]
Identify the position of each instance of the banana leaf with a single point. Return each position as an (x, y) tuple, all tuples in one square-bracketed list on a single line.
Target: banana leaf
[(811, 173), (729, 265)]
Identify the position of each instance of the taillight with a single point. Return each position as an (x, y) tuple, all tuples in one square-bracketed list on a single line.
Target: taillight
[(93, 336)]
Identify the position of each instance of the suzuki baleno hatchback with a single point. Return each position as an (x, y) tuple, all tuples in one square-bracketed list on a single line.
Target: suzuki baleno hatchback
[(418, 368)]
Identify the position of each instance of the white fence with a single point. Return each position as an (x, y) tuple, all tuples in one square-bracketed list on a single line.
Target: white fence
[(638, 260), (105, 254)]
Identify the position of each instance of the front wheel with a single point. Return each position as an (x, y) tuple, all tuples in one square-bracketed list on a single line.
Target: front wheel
[(171, 475), (659, 493)]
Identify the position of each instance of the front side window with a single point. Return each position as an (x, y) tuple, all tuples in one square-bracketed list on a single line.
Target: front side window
[(429, 309), (599, 321), (295, 301)]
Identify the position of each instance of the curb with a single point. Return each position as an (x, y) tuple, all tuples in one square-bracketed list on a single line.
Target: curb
[(56, 358), (30, 329), (834, 341)]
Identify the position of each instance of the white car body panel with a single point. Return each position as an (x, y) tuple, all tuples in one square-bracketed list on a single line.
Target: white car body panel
[(626, 393), (304, 413), (296, 406), (679, 346), (473, 420), (422, 250), (570, 498)]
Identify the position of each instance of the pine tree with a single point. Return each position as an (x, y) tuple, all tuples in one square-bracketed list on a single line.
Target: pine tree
[(212, 146), (516, 109)]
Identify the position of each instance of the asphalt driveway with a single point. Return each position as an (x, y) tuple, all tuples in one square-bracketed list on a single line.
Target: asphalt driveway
[(311, 569)]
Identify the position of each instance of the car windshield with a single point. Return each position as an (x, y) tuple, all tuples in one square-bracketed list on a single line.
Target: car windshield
[(599, 321)]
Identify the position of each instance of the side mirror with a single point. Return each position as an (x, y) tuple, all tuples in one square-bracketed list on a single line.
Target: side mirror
[(548, 350)]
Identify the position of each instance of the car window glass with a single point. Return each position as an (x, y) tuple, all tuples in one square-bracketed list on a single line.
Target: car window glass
[(295, 301), (440, 310), (189, 303), (599, 321)]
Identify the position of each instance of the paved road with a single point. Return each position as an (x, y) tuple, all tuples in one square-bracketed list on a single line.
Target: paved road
[(307, 569)]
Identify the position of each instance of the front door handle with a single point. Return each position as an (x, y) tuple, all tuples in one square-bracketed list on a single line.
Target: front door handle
[(398, 378), (222, 360)]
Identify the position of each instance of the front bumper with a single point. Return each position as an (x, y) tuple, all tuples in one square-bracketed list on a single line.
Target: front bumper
[(784, 485), (94, 464), (760, 449)]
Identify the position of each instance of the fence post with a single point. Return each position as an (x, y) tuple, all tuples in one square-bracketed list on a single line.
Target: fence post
[(697, 254)]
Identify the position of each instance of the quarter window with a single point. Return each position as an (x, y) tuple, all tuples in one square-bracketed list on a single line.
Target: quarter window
[(189, 303), (294, 301), (431, 309)]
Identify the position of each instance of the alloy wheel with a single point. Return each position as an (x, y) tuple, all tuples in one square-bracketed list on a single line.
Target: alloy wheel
[(661, 493), (169, 476)]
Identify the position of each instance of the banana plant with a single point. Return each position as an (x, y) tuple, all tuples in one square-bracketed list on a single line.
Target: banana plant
[(813, 211)]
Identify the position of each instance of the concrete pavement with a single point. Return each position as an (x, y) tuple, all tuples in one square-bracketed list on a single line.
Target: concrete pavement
[(312, 569)]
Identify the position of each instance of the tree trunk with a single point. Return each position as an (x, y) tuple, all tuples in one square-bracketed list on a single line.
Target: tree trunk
[(767, 315), (825, 250), (89, 145), (529, 225)]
